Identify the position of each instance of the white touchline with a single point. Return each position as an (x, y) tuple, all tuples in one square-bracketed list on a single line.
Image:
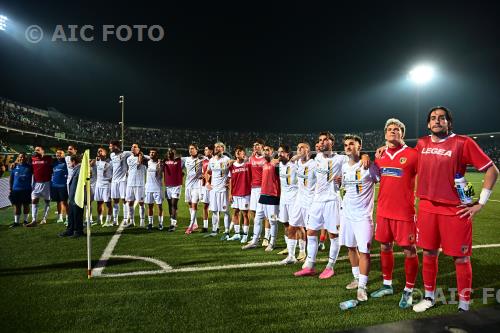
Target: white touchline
[(98, 270)]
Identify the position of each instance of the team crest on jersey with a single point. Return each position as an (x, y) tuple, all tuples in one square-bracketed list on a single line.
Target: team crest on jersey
[(411, 238), (465, 249), (403, 160)]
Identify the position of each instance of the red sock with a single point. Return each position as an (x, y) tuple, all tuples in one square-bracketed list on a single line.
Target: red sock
[(322, 238), (429, 272), (464, 280), (387, 263), (411, 270)]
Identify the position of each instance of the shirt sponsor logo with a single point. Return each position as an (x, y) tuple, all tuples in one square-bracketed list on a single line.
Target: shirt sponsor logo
[(391, 172), (436, 151)]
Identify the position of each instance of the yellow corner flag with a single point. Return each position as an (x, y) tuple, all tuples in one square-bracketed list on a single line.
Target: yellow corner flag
[(82, 179)]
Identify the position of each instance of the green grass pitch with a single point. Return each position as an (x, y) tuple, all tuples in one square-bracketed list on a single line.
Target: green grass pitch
[(44, 287)]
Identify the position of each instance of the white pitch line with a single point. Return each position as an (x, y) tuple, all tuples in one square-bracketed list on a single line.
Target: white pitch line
[(108, 251), (233, 266)]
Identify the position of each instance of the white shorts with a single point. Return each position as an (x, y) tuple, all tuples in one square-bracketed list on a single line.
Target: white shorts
[(324, 215), (298, 216), (285, 212), (192, 195), (356, 234), (267, 211), (173, 192), (118, 190), (102, 194), (41, 190), (218, 201), (254, 198), (135, 193), (153, 197), (241, 203), (204, 195)]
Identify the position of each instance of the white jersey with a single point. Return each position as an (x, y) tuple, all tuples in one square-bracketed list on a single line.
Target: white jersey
[(220, 173), (288, 182), (359, 185), (70, 168), (104, 172), (193, 172), (153, 177), (93, 176), (326, 169), (119, 163), (306, 180), (136, 171)]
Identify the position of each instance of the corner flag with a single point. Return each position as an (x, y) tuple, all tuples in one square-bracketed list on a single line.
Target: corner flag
[(82, 179)]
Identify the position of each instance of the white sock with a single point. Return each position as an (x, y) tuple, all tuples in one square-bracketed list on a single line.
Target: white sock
[(142, 212), (131, 213), (125, 209), (334, 252), (463, 305), (60, 216), (267, 232), (205, 224), (387, 282), (302, 245), (34, 211), (116, 208), (312, 250), (192, 214), (363, 280), (273, 231), (100, 218), (256, 229), (46, 211), (286, 240), (236, 228), (245, 229), (429, 294), (215, 221), (150, 219), (16, 218), (108, 218), (227, 222), (160, 219), (26, 216), (231, 226), (291, 245), (173, 222), (355, 272)]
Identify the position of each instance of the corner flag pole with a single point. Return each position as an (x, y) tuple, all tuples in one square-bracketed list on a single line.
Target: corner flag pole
[(89, 243)]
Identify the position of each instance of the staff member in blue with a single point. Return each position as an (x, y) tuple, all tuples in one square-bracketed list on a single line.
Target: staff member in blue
[(58, 188), (20, 188)]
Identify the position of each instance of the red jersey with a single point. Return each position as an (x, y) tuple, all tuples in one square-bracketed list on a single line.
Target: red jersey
[(396, 199), (240, 179), (257, 162), (204, 168), (270, 180), (42, 168), (172, 172), (438, 162)]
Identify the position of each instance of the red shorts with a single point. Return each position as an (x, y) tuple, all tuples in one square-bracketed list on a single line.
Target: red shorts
[(450, 232), (389, 230)]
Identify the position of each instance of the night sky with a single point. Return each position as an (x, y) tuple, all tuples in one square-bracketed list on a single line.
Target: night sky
[(267, 66)]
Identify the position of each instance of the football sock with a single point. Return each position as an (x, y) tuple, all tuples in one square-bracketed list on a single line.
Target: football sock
[(411, 270), (387, 266), (312, 250), (334, 252), (429, 273), (464, 283)]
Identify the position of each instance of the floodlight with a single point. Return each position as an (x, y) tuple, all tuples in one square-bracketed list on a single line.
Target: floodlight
[(421, 74), (3, 22)]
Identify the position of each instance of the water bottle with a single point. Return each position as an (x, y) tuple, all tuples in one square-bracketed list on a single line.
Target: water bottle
[(348, 304), (460, 185)]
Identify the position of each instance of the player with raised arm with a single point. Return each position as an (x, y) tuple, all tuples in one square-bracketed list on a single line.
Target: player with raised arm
[(239, 197), (102, 192), (396, 209), (218, 184), (119, 179), (444, 221), (42, 173), (356, 229), (135, 184), (172, 175), (153, 190)]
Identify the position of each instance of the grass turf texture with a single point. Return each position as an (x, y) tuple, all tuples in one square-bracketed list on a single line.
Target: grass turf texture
[(44, 287)]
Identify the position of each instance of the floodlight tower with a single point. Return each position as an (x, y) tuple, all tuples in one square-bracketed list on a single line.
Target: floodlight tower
[(122, 102), (3, 22), (420, 75)]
